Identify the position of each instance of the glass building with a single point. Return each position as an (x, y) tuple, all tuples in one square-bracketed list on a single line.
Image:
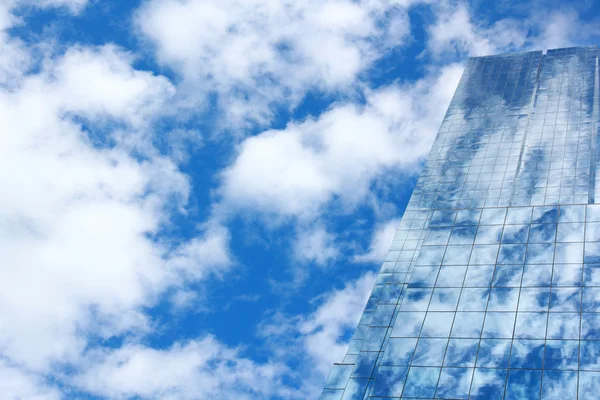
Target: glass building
[(491, 287)]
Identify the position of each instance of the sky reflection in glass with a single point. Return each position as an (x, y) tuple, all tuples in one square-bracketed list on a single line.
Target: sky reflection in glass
[(491, 288)]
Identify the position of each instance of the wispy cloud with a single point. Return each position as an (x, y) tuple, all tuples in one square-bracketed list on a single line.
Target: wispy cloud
[(202, 368), (380, 242)]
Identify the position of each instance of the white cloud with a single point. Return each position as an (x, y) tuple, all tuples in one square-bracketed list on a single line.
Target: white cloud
[(17, 384), (78, 258), (101, 83), (77, 220), (455, 31), (313, 342), (255, 53), (200, 369), (380, 242), (74, 6), (73, 223), (7, 18), (211, 249), (296, 171), (14, 57), (563, 28), (316, 245), (339, 312)]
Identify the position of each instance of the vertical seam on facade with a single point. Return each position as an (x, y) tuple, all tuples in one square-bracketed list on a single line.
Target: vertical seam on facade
[(487, 303), (551, 292), (582, 287), (524, 143), (594, 138)]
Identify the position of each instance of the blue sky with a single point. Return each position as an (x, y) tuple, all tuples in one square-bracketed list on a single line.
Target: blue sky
[(198, 193)]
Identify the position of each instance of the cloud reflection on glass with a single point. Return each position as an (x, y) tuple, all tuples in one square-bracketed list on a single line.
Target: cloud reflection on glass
[(493, 278)]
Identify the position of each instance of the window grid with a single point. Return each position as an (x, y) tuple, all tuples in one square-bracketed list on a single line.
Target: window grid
[(492, 283)]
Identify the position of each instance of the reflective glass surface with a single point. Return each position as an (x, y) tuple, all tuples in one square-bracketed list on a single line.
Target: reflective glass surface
[(491, 288)]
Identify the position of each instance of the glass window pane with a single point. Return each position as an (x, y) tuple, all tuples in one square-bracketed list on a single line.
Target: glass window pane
[(461, 353), (389, 381), (408, 324), (399, 351), (355, 390), (590, 356), (563, 325), (531, 325), (503, 299), (421, 382), (331, 394), (430, 352), (482, 275), (559, 385), (338, 377), (534, 299), (437, 324), (444, 299), (467, 324), (488, 384), (527, 354), (562, 354), (523, 384), (454, 383), (451, 276), (416, 299), (498, 325), (365, 363)]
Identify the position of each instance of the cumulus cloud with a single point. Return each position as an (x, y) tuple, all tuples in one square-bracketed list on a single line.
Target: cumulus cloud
[(14, 56), (209, 249), (74, 218), (18, 384), (101, 83), (332, 162), (254, 54), (457, 32), (81, 215), (202, 368), (563, 28), (294, 172)]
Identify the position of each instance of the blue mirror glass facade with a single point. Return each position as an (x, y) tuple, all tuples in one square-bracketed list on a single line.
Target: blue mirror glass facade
[(491, 287)]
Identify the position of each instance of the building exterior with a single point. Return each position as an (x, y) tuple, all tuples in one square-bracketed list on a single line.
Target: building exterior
[(491, 288)]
